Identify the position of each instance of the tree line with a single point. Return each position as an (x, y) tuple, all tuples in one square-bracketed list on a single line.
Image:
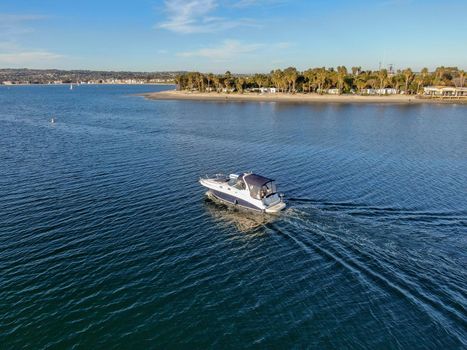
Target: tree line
[(320, 80)]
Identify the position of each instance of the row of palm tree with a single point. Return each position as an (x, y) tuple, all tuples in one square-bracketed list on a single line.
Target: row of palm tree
[(320, 80)]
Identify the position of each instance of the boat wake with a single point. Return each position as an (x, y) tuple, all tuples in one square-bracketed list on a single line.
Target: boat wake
[(383, 213), (376, 253)]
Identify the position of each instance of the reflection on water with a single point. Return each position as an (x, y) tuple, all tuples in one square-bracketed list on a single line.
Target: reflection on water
[(243, 220)]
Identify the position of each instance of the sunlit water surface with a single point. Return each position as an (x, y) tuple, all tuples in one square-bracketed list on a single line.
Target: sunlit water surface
[(107, 241)]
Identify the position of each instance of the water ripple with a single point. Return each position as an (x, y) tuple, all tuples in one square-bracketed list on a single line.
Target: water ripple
[(107, 239)]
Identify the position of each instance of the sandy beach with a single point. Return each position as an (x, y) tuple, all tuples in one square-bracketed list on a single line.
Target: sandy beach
[(295, 98)]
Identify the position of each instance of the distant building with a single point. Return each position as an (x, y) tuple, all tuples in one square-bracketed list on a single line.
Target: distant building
[(334, 91), (386, 91), (445, 91), (268, 90), (368, 91), (383, 91), (7, 83), (263, 90)]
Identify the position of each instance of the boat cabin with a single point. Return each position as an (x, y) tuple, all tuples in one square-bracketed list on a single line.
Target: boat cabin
[(259, 187)]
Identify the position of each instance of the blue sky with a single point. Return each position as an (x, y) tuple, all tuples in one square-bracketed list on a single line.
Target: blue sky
[(242, 36)]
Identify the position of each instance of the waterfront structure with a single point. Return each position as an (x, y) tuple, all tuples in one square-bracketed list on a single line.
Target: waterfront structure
[(368, 91), (386, 91), (267, 90), (445, 91), (263, 90), (382, 91)]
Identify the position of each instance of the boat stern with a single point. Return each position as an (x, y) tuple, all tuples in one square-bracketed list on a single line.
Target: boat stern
[(275, 208)]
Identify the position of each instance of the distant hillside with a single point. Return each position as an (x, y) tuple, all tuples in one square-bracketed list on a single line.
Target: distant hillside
[(47, 76)]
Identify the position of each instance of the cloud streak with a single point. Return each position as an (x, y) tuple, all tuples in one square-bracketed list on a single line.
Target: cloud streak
[(12, 53), (227, 50), (195, 16), (19, 59), (248, 3), (14, 24)]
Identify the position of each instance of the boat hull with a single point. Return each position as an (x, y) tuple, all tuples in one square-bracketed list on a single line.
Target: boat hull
[(232, 200)]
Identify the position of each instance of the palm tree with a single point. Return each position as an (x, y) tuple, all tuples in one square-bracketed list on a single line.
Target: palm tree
[(277, 77), (459, 81), (200, 78), (396, 81), (421, 78), (291, 76), (321, 75), (216, 81), (227, 83), (408, 76), (262, 80), (340, 77), (361, 83), (310, 76), (382, 77), (240, 84), (210, 78), (179, 82), (372, 82), (439, 73), (190, 81), (356, 70)]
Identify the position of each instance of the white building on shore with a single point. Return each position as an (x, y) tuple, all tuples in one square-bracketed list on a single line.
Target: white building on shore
[(445, 91), (386, 91), (383, 91), (264, 90)]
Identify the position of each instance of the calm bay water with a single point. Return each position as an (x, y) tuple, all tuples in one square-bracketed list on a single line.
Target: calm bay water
[(106, 239)]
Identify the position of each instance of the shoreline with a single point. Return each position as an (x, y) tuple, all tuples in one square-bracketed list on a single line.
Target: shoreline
[(84, 84), (295, 98)]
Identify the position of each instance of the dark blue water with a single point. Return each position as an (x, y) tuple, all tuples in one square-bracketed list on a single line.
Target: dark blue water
[(106, 239)]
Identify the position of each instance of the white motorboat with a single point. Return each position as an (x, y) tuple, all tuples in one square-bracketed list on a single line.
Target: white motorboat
[(247, 190)]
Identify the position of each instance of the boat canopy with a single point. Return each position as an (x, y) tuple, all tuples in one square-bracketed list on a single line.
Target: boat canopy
[(259, 186), (256, 180)]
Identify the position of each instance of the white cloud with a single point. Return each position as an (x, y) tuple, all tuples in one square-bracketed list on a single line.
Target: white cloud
[(12, 53), (234, 49), (27, 58), (247, 3), (14, 24), (13, 17), (227, 50), (193, 16), (283, 45)]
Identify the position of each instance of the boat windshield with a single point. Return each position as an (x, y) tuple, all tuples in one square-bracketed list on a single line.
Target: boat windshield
[(268, 188), (237, 183), (263, 191), (240, 185)]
